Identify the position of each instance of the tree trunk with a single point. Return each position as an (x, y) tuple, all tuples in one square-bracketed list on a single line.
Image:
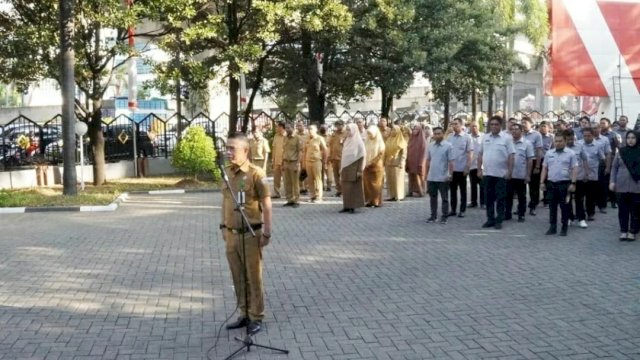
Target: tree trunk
[(490, 96), (255, 87), (474, 104), (387, 102), (447, 101), (67, 81), (315, 96), (234, 87), (97, 143)]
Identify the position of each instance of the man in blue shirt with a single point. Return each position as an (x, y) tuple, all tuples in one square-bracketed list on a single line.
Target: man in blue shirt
[(463, 153), (559, 174), (535, 138), (495, 165), (440, 162), (522, 163), (593, 154)]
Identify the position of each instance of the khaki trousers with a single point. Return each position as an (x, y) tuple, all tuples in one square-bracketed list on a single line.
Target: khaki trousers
[(335, 166), (258, 163), (253, 282), (277, 179), (292, 182), (314, 171)]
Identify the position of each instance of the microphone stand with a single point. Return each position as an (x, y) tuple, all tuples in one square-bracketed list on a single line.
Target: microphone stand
[(247, 341)]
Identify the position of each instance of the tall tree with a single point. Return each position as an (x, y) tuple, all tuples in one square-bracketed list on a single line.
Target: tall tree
[(228, 38), (28, 53)]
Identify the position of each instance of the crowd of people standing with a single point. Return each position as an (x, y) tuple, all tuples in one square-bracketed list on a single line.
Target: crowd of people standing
[(573, 171)]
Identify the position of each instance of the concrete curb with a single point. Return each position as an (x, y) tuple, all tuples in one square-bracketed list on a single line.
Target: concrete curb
[(104, 208)]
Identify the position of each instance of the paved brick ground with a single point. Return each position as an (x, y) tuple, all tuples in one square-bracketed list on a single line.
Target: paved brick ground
[(150, 281)]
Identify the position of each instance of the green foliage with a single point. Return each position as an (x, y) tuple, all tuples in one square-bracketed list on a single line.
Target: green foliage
[(195, 153)]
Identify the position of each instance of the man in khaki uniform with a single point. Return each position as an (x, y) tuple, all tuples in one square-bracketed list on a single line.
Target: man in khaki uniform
[(246, 181), (315, 156), (302, 134), (259, 149), (278, 149), (335, 153), (291, 162)]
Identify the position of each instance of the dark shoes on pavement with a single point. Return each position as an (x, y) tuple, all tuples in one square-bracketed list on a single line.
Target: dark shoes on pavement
[(253, 327), (520, 219), (488, 224), (240, 323), (350, 211), (532, 212), (563, 230), (552, 230)]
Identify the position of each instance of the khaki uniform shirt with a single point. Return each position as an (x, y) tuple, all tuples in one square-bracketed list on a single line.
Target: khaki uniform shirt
[(259, 148), (249, 179), (314, 149), (335, 145), (278, 149), (291, 149)]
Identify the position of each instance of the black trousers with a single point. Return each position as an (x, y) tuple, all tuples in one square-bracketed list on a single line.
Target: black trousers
[(534, 187), (458, 181), (495, 192), (433, 188), (629, 212), (516, 187), (476, 183), (604, 194), (585, 198), (558, 192)]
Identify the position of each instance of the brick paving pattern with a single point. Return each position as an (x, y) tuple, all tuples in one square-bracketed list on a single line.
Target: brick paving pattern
[(150, 281)]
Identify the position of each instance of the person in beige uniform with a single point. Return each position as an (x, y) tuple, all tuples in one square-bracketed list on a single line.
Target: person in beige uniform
[(335, 153), (302, 134), (394, 160), (291, 161), (246, 255), (278, 149), (315, 156), (259, 149)]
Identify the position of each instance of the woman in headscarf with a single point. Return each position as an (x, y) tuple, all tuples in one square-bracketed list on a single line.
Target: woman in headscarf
[(625, 182), (373, 177), (395, 155), (352, 166), (416, 161)]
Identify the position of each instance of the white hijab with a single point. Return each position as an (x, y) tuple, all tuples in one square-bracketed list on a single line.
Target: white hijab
[(353, 148), (375, 146)]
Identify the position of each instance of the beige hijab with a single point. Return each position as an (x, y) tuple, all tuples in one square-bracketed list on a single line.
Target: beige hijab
[(373, 146), (353, 149)]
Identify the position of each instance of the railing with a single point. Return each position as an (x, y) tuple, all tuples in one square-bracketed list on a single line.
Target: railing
[(24, 142)]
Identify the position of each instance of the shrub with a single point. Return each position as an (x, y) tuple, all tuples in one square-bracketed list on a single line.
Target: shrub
[(195, 154)]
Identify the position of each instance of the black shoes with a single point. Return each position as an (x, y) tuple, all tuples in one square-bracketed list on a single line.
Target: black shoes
[(295, 205), (498, 226), (472, 205), (603, 211), (338, 194), (240, 323), (431, 220), (443, 220), (563, 230), (552, 230), (532, 212), (288, 204), (391, 199), (254, 327), (590, 218), (350, 211), (488, 224), (520, 219), (508, 217), (461, 215), (451, 214)]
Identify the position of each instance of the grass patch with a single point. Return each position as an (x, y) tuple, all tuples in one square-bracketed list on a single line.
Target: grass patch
[(92, 195)]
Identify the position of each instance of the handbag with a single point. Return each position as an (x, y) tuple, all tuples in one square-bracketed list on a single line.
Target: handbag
[(303, 175)]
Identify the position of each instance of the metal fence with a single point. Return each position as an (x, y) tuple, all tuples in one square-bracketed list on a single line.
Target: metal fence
[(24, 142)]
